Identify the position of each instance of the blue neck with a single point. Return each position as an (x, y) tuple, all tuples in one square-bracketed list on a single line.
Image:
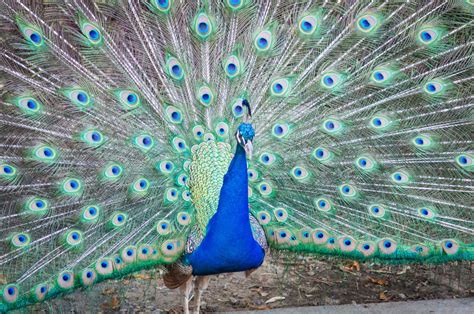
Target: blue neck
[(229, 245)]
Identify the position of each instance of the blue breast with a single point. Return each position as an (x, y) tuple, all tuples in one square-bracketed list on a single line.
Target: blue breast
[(229, 245)]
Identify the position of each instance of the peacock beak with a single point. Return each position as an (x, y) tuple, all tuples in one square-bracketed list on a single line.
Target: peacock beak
[(248, 149)]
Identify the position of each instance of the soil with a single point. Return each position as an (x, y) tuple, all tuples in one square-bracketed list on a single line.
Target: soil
[(280, 282)]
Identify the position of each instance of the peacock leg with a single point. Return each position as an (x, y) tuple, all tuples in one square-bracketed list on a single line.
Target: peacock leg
[(201, 284), (186, 289)]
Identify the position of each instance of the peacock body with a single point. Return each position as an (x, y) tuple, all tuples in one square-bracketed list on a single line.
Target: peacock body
[(128, 127)]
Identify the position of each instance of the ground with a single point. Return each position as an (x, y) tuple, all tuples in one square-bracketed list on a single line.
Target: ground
[(281, 282)]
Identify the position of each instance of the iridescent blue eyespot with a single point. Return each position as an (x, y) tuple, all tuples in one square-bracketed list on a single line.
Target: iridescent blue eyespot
[(307, 26), (426, 36), (231, 68), (329, 81), (277, 88), (176, 70), (96, 137), (132, 98), (203, 27), (93, 34), (31, 104), (82, 97), (379, 76), (146, 141), (364, 23), (162, 3), (431, 87), (35, 37)]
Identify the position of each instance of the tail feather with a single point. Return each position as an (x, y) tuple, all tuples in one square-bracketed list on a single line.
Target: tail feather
[(363, 113)]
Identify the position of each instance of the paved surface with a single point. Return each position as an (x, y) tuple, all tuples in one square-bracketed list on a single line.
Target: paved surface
[(451, 306)]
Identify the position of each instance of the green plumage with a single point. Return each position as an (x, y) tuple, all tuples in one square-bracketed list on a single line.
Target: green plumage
[(117, 124)]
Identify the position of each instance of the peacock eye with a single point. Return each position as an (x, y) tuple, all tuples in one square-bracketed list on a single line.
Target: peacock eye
[(280, 87), (128, 99), (174, 68), (365, 163), (45, 153), (205, 95), (382, 76), (232, 66), (377, 210), (400, 177), (267, 159), (179, 144), (263, 41), (72, 186), (29, 105), (331, 80), (367, 23), (222, 129), (144, 142), (280, 130), (238, 109), (434, 88), (381, 123), (92, 33), (203, 26), (80, 98), (93, 138), (332, 126), (90, 214), (428, 36), (265, 189), (323, 204), (308, 25), (174, 115)]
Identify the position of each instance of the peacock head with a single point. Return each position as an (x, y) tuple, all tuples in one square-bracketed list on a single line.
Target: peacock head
[(244, 135)]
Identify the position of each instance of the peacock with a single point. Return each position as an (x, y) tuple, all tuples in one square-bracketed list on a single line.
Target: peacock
[(198, 136)]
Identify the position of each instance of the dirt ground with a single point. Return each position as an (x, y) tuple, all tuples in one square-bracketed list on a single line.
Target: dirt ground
[(280, 282)]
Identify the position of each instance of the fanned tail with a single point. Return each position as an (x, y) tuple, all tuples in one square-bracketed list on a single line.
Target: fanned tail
[(363, 113)]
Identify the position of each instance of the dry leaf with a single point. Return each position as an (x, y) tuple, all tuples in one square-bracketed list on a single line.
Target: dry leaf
[(355, 266), (274, 299), (380, 282), (383, 296), (114, 303), (142, 276), (108, 291)]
